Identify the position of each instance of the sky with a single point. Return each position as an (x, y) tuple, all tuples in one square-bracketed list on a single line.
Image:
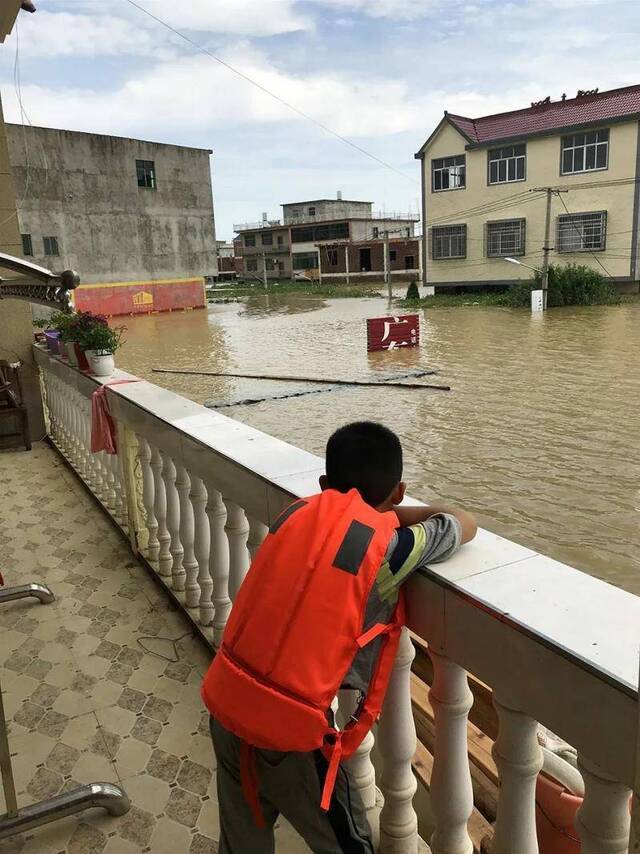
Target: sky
[(378, 72)]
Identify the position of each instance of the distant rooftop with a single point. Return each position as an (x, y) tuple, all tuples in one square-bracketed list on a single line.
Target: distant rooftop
[(317, 201), (589, 107), (41, 128)]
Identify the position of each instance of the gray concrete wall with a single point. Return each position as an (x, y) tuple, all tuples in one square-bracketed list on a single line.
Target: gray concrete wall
[(16, 325), (326, 209), (82, 188)]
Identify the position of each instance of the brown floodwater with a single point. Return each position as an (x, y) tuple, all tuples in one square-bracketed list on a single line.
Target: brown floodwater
[(539, 436)]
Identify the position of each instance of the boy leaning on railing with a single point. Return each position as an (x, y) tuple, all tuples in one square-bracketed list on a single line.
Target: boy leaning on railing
[(320, 609)]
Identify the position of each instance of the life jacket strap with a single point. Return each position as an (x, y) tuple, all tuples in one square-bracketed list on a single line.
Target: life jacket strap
[(332, 774), (249, 781), (374, 632)]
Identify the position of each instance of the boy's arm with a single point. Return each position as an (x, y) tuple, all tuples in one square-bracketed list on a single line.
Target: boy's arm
[(413, 515)]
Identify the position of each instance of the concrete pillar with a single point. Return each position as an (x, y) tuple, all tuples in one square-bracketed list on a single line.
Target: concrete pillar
[(16, 328)]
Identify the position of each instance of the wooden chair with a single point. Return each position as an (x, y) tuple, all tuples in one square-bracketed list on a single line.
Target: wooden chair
[(12, 402)]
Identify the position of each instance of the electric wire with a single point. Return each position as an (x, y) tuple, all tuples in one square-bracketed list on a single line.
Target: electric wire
[(271, 94)]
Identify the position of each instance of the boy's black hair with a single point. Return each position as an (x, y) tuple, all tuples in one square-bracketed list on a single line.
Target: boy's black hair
[(367, 456)]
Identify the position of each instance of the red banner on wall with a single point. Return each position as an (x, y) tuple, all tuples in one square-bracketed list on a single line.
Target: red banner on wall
[(388, 333), (140, 297)]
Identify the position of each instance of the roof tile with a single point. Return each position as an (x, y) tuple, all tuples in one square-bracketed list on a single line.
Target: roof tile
[(600, 107)]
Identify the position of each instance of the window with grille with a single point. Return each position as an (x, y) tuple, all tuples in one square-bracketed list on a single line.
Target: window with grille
[(249, 240), (27, 244), (51, 246), (312, 211), (270, 264), (304, 260), (267, 239), (146, 172), (252, 265), (507, 164), (585, 152), (505, 238), (449, 241), (584, 232), (448, 173)]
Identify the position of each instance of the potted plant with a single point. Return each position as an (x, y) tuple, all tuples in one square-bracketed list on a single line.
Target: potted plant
[(99, 343), (41, 324), (81, 323), (61, 322)]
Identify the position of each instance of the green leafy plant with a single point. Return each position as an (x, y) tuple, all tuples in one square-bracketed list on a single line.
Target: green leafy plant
[(413, 294), (101, 338), (570, 284)]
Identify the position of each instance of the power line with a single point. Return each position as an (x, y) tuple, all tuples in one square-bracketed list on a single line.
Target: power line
[(271, 94)]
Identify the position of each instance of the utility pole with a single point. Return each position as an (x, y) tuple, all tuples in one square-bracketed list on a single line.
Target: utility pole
[(546, 249), (387, 272), (264, 272), (346, 260)]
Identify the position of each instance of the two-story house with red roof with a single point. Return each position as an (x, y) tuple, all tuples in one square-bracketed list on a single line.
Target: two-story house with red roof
[(484, 197)]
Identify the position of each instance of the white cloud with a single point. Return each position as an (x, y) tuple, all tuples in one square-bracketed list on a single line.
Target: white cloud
[(195, 92), (54, 34), (239, 17), (84, 33)]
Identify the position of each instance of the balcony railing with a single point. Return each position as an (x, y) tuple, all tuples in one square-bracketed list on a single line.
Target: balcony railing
[(194, 491), (252, 226), (393, 216), (303, 219)]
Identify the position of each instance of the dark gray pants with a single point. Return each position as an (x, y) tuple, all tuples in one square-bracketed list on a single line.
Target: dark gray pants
[(289, 784)]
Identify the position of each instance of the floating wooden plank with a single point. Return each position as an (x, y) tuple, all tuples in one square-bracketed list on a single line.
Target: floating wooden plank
[(288, 379)]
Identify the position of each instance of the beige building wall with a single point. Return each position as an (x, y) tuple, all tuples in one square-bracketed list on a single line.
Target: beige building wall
[(16, 327), (543, 169)]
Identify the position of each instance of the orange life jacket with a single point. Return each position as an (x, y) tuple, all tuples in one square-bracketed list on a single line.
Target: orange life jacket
[(295, 628)]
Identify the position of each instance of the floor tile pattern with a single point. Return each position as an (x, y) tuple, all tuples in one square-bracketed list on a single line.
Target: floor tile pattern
[(89, 689)]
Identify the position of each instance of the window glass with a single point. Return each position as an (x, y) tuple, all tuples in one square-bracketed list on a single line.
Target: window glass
[(27, 245), (449, 241), (448, 173)]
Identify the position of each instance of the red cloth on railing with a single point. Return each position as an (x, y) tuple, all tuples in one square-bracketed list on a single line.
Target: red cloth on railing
[(103, 430)]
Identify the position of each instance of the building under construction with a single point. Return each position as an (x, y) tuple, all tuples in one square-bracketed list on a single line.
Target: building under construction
[(307, 236)]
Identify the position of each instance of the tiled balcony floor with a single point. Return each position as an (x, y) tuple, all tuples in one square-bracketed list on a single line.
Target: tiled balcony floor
[(84, 701)]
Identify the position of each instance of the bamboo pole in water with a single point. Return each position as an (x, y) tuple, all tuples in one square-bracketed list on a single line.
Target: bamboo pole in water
[(321, 380)]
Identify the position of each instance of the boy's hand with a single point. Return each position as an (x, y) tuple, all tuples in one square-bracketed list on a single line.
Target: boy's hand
[(413, 515)]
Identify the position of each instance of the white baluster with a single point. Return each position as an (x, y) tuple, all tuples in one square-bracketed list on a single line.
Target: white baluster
[(121, 488), (118, 504), (109, 483), (187, 537), (189, 579), (519, 759), (450, 789), (397, 742), (202, 542), (257, 532), (363, 771), (148, 498), (218, 562), (603, 819), (82, 448), (165, 561), (173, 521), (237, 529), (91, 458)]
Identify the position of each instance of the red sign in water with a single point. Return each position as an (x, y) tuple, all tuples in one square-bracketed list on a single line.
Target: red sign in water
[(389, 333)]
